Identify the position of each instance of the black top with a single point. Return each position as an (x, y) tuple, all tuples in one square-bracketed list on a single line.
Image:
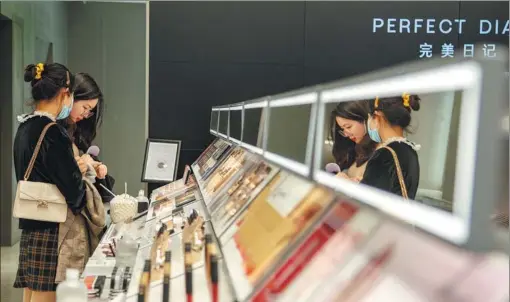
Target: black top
[(108, 182), (54, 164), (381, 171)]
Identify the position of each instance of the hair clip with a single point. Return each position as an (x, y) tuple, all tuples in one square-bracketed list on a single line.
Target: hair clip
[(405, 98), (376, 103), (39, 68)]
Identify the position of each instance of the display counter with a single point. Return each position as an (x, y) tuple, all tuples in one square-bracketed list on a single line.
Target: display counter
[(267, 252), (260, 221)]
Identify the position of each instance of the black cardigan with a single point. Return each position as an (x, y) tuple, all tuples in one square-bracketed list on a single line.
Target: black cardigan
[(381, 171), (54, 164)]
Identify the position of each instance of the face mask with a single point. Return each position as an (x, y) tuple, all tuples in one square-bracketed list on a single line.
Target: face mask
[(66, 110), (373, 133)]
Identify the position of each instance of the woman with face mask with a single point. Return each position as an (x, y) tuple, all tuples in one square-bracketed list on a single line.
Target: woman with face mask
[(82, 124), (394, 166), (352, 147), (52, 94)]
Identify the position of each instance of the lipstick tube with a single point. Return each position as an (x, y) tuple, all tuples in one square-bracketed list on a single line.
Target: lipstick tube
[(207, 251), (214, 276), (167, 276), (112, 250), (143, 290), (188, 268)]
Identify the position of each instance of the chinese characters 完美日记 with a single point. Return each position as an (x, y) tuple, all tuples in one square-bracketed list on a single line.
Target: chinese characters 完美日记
[(448, 50)]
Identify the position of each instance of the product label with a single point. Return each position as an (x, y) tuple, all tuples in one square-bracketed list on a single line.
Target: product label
[(287, 193)]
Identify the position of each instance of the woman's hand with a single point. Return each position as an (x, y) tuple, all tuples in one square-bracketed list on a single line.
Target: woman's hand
[(345, 176), (88, 159), (357, 179), (101, 170), (82, 165), (342, 175)]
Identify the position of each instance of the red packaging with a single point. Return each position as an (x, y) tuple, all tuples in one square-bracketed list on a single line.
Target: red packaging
[(291, 268)]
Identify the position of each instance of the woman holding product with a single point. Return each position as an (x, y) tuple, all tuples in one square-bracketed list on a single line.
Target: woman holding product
[(352, 147), (52, 94), (82, 125)]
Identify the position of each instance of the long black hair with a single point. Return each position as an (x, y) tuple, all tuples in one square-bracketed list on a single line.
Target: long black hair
[(84, 132), (345, 151)]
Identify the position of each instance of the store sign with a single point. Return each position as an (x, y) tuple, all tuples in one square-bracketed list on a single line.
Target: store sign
[(434, 26)]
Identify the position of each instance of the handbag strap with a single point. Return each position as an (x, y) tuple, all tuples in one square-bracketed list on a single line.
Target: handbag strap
[(36, 151), (399, 172)]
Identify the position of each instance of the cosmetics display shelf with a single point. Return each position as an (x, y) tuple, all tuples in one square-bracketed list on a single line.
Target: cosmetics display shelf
[(354, 252), (286, 230), (100, 265), (292, 131), (348, 249), (178, 293), (257, 205), (266, 127), (241, 283), (353, 244)]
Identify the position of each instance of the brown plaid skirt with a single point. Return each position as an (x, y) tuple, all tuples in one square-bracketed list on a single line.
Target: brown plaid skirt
[(38, 258)]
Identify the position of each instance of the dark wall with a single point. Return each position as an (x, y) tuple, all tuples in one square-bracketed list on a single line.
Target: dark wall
[(340, 41), (210, 53), (6, 131), (490, 10)]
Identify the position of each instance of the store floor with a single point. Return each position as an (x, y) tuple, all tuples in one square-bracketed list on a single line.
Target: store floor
[(9, 259)]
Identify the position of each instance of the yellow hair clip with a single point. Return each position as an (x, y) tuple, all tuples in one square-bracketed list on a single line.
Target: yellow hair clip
[(39, 68), (376, 103), (405, 98)]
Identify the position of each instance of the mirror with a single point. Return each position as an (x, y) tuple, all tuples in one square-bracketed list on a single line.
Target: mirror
[(223, 125), (423, 133), (236, 121), (442, 153), (288, 131), (214, 120), (253, 126)]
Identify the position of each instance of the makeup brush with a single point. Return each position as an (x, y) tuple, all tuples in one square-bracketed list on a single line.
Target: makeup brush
[(214, 277), (167, 276), (188, 272), (107, 190)]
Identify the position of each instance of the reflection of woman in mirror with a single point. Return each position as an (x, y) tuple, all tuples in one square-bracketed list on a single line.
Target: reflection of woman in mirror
[(394, 166), (352, 147)]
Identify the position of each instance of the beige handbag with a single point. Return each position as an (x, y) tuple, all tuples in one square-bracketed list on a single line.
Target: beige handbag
[(399, 172), (38, 200)]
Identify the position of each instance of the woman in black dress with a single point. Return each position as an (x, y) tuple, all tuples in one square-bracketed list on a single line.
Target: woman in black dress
[(82, 125), (53, 99), (394, 166)]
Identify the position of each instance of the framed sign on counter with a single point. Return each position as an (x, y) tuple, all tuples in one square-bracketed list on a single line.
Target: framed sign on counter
[(161, 160)]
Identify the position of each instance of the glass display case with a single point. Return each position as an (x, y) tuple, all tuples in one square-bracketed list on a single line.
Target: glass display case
[(262, 219)]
